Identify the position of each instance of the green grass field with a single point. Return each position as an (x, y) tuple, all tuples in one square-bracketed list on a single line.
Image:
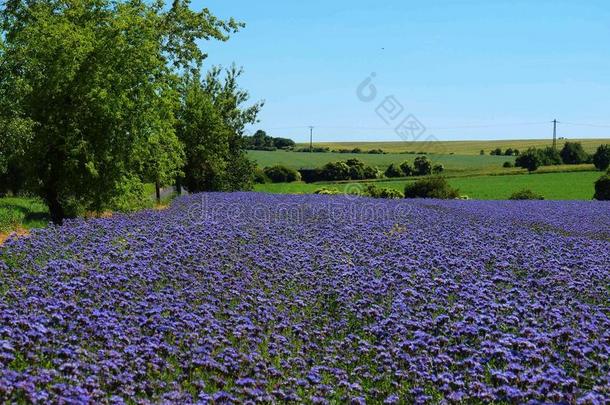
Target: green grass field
[(553, 186), (459, 147), (454, 164), (22, 212)]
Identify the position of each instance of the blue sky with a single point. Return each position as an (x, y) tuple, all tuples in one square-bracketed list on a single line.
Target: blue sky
[(466, 69)]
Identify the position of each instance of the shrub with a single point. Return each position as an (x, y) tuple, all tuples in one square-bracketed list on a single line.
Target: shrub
[(371, 172), (423, 166), (496, 151), (406, 168), (260, 177), (508, 164), (482, 152), (602, 188), (573, 154), (530, 160), (326, 191), (509, 152), (311, 175), (356, 150), (549, 156), (335, 171), (438, 169), (601, 158), (393, 170), (526, 195), (316, 149), (377, 192), (433, 187), (376, 152), (282, 174)]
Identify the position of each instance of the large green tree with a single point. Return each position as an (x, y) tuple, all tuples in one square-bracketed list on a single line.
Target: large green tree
[(212, 122), (88, 94)]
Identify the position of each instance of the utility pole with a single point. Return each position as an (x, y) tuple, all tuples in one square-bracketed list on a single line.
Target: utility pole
[(555, 134), (311, 139)]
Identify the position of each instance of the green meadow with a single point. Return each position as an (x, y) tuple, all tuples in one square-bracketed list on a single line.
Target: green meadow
[(576, 185)]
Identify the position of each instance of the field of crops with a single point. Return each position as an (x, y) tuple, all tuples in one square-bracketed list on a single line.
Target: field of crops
[(553, 186), (268, 298), (459, 147), (452, 163)]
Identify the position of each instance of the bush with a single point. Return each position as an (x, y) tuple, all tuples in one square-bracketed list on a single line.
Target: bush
[(526, 195), (423, 166), (601, 158), (549, 156), (282, 174), (316, 149), (573, 154), (509, 152), (602, 188), (438, 169), (372, 172), (482, 152), (377, 192), (393, 170), (434, 187), (326, 191), (496, 151), (530, 160), (311, 175), (376, 152), (406, 168), (335, 171), (508, 164), (260, 177), (356, 150)]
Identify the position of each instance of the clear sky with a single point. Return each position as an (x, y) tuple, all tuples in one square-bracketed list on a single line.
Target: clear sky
[(466, 69)]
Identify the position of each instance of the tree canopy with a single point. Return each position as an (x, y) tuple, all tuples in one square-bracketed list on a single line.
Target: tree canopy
[(90, 96)]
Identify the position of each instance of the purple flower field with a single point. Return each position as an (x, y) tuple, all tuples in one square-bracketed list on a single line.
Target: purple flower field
[(245, 297)]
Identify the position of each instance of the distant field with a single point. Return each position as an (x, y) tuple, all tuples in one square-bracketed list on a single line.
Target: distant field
[(452, 163), (553, 186), (459, 147)]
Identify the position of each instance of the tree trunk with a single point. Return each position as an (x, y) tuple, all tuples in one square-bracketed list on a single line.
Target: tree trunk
[(158, 192), (178, 185), (55, 209)]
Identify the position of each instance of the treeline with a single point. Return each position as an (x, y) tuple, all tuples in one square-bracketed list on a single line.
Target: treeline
[(572, 153), (261, 141), (351, 169), (98, 98)]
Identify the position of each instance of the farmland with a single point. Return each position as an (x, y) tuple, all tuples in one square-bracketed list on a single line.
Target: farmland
[(251, 297), (494, 187), (452, 163), (457, 147)]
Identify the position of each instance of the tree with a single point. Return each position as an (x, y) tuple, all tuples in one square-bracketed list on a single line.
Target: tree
[(88, 95), (549, 156), (601, 158), (573, 153), (530, 160), (602, 188), (393, 170), (422, 166), (406, 168), (229, 99), (206, 140), (438, 169)]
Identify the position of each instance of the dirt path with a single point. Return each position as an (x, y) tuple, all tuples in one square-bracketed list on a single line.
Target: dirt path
[(19, 232)]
